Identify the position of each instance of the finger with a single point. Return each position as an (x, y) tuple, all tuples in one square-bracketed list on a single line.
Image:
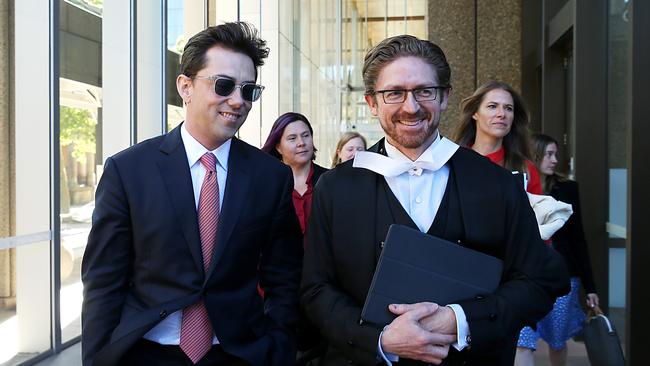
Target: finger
[(427, 338), (416, 311), (400, 309), (441, 339)]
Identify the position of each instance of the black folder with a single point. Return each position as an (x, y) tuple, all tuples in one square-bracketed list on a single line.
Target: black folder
[(416, 267)]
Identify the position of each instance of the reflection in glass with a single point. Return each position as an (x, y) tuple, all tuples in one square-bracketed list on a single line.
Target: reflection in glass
[(618, 120), (80, 91), (184, 19)]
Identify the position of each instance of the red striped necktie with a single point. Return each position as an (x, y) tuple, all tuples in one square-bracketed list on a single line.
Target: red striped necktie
[(196, 329)]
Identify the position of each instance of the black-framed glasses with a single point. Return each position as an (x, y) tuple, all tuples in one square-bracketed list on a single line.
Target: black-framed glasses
[(395, 96), (224, 86)]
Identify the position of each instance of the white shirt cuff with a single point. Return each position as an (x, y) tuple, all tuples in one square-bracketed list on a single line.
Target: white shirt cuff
[(462, 328), (389, 358)]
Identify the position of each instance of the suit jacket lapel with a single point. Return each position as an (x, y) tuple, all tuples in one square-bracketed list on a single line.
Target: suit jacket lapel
[(234, 199), (176, 174), (474, 205)]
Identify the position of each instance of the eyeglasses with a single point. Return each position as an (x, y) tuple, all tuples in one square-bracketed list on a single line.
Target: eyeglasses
[(395, 96), (250, 92)]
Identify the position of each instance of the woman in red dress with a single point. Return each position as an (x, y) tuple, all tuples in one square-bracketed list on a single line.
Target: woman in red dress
[(292, 141), (494, 123)]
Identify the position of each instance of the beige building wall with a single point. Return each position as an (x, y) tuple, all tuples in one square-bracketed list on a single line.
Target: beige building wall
[(482, 41), (7, 256)]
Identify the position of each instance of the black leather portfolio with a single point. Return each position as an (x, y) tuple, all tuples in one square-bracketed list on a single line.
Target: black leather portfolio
[(416, 267)]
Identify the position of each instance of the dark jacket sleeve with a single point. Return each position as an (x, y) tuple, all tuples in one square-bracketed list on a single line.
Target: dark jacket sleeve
[(331, 310), (280, 267), (106, 264), (534, 275)]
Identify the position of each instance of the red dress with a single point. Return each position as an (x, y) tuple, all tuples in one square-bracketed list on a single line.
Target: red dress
[(302, 204), (534, 182)]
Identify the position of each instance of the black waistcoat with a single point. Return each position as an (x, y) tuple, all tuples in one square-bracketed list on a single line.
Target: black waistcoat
[(448, 224)]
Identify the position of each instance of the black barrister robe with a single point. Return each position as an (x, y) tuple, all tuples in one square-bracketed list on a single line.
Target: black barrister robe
[(483, 208)]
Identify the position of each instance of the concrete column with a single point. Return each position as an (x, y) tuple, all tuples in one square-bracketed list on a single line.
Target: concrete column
[(116, 79), (32, 180), (151, 49), (7, 259)]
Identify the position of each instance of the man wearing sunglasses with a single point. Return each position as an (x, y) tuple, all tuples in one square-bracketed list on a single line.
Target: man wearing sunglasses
[(186, 226)]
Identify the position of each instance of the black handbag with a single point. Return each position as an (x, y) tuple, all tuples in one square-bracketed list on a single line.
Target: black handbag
[(601, 340)]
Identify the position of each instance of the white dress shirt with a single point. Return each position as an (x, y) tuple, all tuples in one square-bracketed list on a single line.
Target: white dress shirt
[(169, 329), (419, 186)]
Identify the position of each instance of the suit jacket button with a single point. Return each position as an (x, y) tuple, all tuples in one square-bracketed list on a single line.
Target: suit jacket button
[(479, 297), (163, 314), (493, 317), (350, 343)]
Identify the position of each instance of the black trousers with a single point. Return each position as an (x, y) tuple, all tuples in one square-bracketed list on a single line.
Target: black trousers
[(146, 352)]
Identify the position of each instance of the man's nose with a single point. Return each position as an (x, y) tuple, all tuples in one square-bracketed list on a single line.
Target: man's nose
[(235, 98), (410, 105)]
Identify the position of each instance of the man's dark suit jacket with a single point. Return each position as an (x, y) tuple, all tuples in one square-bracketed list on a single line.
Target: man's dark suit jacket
[(483, 208), (143, 260)]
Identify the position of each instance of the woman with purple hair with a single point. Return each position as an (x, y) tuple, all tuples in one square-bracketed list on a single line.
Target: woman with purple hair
[(291, 141)]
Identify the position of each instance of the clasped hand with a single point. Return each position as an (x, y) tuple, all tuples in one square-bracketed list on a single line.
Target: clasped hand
[(422, 331)]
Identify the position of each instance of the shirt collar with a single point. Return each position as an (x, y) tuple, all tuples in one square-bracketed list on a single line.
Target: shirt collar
[(396, 163), (195, 150), (427, 155)]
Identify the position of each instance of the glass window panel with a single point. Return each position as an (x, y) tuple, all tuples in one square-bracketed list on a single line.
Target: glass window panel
[(177, 36), (618, 120), (396, 8), (80, 153), (377, 8)]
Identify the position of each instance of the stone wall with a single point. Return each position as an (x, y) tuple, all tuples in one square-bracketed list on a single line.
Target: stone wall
[(482, 42)]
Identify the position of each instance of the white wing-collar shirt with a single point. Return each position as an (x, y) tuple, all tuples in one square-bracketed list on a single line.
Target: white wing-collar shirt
[(419, 186)]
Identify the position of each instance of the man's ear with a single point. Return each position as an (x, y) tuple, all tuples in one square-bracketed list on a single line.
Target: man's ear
[(372, 103), (444, 98), (184, 87)]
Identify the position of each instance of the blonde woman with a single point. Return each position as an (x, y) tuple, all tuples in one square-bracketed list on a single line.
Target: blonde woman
[(347, 147)]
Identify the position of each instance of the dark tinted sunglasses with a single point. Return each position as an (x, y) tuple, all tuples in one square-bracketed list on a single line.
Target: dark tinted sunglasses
[(223, 86)]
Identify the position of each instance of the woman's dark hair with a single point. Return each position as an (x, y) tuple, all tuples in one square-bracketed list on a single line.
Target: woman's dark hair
[(237, 36), (540, 143), (516, 143), (278, 129)]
